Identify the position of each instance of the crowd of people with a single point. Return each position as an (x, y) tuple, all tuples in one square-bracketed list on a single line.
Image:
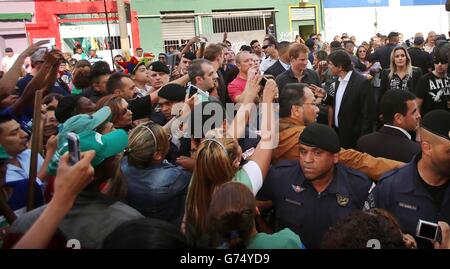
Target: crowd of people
[(280, 145)]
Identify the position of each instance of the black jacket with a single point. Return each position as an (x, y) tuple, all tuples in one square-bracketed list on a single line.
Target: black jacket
[(411, 84), (389, 143), (382, 55), (275, 70), (420, 58), (309, 77), (357, 111)]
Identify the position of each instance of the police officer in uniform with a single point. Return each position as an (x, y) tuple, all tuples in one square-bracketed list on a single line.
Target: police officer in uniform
[(310, 194), (421, 189)]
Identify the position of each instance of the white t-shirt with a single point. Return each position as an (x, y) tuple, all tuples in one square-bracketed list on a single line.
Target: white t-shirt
[(251, 176), (7, 62)]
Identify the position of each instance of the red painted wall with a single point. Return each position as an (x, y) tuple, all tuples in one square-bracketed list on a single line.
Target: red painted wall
[(47, 20)]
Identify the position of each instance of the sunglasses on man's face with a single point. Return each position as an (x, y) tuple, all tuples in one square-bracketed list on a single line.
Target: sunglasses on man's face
[(440, 62)]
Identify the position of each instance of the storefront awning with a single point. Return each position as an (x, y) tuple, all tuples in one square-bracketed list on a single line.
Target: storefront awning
[(15, 16)]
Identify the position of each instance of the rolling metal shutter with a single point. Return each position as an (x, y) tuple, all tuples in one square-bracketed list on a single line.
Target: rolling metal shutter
[(177, 29)]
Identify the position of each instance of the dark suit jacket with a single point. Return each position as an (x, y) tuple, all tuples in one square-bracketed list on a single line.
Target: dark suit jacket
[(275, 70), (389, 143), (357, 110), (382, 55), (420, 58), (309, 77)]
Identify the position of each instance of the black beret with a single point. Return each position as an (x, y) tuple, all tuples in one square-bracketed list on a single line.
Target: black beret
[(172, 92), (189, 55), (320, 136), (437, 122), (158, 67)]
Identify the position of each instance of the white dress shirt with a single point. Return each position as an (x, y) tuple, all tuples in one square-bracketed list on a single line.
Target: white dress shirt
[(266, 63), (400, 129), (339, 95), (286, 66)]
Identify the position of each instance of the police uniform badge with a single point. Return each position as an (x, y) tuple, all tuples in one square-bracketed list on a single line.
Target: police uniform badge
[(342, 200), (297, 188)]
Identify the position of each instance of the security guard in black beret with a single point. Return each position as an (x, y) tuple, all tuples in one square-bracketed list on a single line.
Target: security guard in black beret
[(421, 189), (169, 95), (158, 67), (311, 194)]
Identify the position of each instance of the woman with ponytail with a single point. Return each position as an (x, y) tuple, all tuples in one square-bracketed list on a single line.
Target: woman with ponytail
[(219, 158), (156, 188)]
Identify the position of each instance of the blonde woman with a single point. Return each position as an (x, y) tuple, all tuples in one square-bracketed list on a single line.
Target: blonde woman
[(155, 187), (401, 75)]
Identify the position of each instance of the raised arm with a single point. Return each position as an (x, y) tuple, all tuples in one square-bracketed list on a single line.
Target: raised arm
[(45, 76), (9, 80), (269, 133), (70, 180), (247, 98), (189, 45)]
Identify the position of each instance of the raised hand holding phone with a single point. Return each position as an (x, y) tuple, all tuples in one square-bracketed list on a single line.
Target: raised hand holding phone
[(74, 148)]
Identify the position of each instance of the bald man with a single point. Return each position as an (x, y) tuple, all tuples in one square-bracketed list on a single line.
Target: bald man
[(421, 189)]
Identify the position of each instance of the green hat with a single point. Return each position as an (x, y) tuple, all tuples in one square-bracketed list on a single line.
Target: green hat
[(105, 146), (83, 122), (3, 154)]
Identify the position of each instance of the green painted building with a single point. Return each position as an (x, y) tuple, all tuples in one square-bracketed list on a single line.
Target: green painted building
[(166, 23)]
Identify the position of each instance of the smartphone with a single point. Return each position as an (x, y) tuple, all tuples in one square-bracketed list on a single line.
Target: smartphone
[(192, 91), (74, 148), (263, 82), (429, 230), (248, 153)]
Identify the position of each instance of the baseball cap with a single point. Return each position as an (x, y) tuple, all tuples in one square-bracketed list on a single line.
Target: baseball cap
[(105, 146), (83, 122)]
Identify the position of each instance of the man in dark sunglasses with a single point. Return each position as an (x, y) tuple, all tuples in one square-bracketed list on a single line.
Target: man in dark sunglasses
[(270, 48), (433, 89)]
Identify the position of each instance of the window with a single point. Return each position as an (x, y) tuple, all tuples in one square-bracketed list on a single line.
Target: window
[(241, 21)]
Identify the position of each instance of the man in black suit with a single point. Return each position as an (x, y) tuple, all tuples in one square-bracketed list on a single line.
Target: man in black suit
[(353, 104), (383, 54), (392, 141), (282, 64), (419, 57)]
